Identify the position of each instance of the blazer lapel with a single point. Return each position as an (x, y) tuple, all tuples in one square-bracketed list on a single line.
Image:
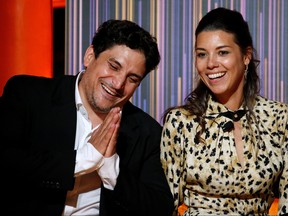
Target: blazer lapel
[(129, 133), (63, 112)]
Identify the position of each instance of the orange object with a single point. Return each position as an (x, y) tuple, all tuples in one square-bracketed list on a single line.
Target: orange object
[(272, 211), (181, 209), (25, 38), (274, 208)]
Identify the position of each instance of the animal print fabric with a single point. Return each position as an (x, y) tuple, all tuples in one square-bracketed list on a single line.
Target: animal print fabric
[(208, 177)]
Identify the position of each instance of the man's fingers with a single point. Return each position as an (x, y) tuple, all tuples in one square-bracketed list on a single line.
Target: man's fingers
[(110, 118), (111, 149), (102, 137)]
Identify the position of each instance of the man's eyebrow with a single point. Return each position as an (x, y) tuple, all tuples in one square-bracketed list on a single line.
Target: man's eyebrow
[(137, 75), (114, 61)]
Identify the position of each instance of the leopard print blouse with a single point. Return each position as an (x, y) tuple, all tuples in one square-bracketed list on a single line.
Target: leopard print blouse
[(209, 178)]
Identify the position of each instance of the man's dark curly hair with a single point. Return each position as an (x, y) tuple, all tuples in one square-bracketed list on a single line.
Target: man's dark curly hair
[(125, 32)]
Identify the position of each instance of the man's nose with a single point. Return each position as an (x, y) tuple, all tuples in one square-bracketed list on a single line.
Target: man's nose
[(119, 81)]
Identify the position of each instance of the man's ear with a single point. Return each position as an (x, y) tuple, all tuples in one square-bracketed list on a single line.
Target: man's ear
[(89, 56)]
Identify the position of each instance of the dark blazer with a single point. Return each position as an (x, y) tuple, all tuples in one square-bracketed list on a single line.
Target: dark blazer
[(37, 131)]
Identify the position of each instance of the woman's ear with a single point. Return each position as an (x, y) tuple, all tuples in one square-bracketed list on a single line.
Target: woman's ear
[(248, 55), (89, 55)]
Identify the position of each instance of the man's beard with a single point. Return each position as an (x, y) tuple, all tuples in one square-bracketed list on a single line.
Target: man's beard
[(96, 108)]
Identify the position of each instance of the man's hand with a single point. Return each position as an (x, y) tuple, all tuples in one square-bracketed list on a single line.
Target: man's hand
[(104, 138)]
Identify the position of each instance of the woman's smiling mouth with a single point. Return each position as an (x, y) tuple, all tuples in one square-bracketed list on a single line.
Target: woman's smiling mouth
[(216, 75)]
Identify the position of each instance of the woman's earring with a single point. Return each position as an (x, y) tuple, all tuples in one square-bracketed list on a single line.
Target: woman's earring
[(246, 71)]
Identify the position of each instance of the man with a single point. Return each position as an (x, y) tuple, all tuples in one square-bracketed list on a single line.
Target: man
[(75, 145)]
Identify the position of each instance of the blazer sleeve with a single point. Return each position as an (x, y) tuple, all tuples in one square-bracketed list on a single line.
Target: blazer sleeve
[(36, 151)]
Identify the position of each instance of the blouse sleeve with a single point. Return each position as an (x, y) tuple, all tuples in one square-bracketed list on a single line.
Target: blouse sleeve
[(172, 157), (283, 185)]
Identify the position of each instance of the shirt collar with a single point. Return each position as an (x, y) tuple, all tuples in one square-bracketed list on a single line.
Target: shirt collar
[(78, 100), (214, 108)]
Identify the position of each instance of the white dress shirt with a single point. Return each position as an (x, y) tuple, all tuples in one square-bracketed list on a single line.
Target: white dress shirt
[(89, 159)]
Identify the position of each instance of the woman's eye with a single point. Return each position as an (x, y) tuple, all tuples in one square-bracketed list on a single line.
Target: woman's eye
[(223, 52), (200, 55)]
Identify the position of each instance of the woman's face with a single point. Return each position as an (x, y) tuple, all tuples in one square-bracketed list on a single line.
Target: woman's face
[(220, 64)]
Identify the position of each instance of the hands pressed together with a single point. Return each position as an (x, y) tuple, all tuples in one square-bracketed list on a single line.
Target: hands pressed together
[(104, 138)]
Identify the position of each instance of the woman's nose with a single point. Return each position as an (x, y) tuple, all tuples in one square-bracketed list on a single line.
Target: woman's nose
[(212, 62)]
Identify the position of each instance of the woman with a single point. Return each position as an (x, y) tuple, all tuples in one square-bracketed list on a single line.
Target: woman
[(225, 149)]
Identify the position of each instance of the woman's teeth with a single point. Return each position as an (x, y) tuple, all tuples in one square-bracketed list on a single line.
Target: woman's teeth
[(214, 76)]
